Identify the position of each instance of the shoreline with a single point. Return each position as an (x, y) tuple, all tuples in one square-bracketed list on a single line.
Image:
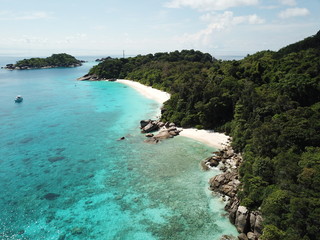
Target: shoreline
[(149, 92), (208, 137), (225, 183)]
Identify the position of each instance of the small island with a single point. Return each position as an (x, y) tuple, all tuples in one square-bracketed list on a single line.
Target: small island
[(54, 61)]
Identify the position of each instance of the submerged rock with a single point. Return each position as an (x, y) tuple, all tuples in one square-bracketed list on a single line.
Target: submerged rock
[(228, 237), (77, 231), (204, 166), (151, 140), (51, 196), (62, 237), (26, 140), (55, 159)]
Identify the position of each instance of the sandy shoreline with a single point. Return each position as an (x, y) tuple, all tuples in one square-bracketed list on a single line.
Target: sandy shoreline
[(209, 137), (148, 92)]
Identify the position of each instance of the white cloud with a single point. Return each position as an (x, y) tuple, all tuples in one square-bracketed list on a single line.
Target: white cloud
[(228, 19), (288, 2), (99, 27), (33, 15), (210, 5), (9, 15), (73, 38), (251, 19), (218, 23), (294, 12)]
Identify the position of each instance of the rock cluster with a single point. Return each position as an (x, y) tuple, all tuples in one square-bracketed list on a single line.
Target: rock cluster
[(94, 77), (248, 223), (166, 130), (102, 59)]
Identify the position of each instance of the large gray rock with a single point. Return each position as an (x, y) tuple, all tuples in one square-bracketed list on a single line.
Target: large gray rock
[(89, 77), (225, 183), (252, 221), (149, 135), (172, 125), (242, 236), (160, 124), (242, 219), (232, 208), (252, 236), (228, 153), (150, 127), (212, 161), (258, 225), (144, 123), (164, 134), (84, 78)]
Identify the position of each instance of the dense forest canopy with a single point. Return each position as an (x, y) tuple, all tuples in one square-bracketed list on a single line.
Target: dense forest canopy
[(55, 60), (269, 102)]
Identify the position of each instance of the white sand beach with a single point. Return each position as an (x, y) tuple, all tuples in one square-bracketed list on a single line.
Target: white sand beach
[(209, 137), (148, 92)]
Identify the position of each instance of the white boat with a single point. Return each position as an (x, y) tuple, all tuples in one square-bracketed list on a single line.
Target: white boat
[(18, 99)]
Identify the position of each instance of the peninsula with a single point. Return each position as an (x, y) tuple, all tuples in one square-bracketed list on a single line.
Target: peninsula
[(269, 103), (54, 61)]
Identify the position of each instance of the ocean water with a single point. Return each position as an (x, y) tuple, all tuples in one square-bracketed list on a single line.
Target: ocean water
[(65, 175)]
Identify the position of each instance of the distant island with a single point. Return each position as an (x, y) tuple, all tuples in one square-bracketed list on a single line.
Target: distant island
[(102, 59), (269, 103), (54, 61)]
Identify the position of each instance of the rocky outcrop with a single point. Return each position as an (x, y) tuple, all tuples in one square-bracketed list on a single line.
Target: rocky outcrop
[(94, 77), (88, 77), (148, 126), (241, 220), (210, 162), (226, 183), (247, 222), (166, 130), (103, 59)]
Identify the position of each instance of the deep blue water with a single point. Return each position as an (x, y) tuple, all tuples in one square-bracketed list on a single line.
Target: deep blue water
[(64, 175)]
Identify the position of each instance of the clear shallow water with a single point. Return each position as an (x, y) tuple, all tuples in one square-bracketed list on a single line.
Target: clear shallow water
[(64, 175)]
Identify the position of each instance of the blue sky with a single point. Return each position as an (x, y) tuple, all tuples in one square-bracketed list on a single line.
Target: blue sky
[(107, 27)]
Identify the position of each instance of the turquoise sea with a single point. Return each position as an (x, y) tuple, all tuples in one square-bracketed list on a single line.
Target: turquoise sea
[(64, 175)]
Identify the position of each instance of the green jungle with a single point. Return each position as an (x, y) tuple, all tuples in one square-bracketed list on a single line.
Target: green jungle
[(55, 60), (269, 102)]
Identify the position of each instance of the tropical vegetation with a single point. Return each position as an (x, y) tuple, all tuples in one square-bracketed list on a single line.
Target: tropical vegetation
[(55, 60), (269, 102)]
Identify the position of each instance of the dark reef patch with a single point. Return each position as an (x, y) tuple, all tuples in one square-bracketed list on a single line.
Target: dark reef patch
[(55, 159), (51, 196)]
